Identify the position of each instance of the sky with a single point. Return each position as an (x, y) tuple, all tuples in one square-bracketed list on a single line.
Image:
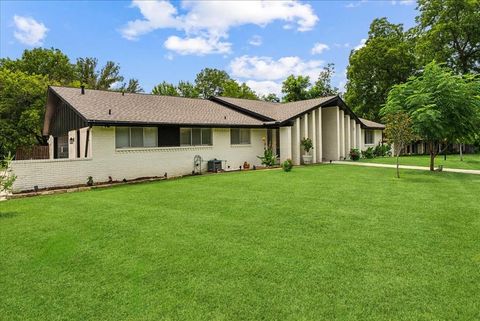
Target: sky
[(260, 43)]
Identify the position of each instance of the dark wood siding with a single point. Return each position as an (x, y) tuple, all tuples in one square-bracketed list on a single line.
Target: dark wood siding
[(65, 119), (168, 136)]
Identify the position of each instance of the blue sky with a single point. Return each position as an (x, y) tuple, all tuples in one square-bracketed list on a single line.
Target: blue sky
[(259, 43)]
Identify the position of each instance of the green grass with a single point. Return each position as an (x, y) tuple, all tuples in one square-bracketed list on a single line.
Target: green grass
[(470, 161), (324, 242)]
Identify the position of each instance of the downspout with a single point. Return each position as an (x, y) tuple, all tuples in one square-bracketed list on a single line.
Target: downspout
[(86, 142)]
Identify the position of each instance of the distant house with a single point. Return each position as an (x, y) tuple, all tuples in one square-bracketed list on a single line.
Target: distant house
[(114, 135)]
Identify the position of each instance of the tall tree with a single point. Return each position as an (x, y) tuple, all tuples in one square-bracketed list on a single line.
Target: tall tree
[(165, 89), (211, 82), (187, 89), (271, 98), (386, 59), (231, 88), (102, 79), (450, 32), (444, 107), (133, 86), (323, 86), (22, 107), (296, 88), (52, 63)]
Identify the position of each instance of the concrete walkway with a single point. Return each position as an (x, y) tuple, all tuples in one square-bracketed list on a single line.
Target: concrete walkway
[(422, 168)]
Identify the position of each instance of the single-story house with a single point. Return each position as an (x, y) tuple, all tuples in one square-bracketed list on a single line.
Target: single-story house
[(114, 136)]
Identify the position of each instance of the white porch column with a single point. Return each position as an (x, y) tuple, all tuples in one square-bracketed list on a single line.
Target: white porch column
[(312, 133), (318, 134), (296, 142), (285, 143), (347, 135), (342, 134), (353, 134), (359, 136)]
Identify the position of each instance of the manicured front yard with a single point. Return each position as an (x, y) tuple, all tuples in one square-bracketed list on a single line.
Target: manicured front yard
[(470, 161), (324, 242)]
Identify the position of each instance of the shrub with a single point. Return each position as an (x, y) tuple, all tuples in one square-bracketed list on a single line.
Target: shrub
[(354, 154), (269, 158), (307, 144), (90, 181), (287, 165), (382, 150), (368, 153), (7, 178)]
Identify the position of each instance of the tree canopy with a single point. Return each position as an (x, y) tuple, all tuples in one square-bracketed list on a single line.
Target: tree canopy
[(449, 31), (443, 106), (386, 59)]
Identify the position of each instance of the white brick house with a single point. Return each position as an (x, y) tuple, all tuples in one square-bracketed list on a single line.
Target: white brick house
[(111, 135)]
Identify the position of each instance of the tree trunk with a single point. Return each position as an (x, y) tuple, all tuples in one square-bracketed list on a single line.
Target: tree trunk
[(431, 147), (461, 152), (398, 165)]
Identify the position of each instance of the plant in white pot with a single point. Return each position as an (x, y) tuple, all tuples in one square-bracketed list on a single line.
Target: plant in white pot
[(307, 145)]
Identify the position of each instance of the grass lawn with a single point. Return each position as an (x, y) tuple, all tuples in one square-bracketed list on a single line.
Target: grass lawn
[(470, 161), (326, 242)]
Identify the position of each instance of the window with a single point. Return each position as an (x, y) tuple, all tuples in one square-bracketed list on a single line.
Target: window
[(369, 137), (240, 136), (61, 147), (195, 136), (126, 137)]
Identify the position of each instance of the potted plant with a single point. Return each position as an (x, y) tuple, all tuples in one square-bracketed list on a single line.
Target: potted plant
[(246, 165), (354, 154), (307, 145)]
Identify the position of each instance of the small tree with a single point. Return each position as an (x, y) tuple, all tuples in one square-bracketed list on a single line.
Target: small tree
[(444, 107), (399, 132), (7, 178)]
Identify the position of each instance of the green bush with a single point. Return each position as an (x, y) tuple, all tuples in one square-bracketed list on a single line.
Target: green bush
[(382, 150), (90, 181), (269, 158), (368, 153), (287, 165), (354, 154), (307, 144)]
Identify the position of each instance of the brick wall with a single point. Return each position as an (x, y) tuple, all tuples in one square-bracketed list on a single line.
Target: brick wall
[(133, 163)]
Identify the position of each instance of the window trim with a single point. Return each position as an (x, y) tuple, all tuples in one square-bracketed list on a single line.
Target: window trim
[(372, 132), (130, 138), (240, 143), (201, 136)]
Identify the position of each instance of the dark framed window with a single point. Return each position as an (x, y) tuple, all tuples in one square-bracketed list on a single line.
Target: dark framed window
[(240, 136), (369, 137), (126, 137), (195, 136)]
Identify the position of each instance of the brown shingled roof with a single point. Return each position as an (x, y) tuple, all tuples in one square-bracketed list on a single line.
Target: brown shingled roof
[(372, 124), (275, 111), (94, 106)]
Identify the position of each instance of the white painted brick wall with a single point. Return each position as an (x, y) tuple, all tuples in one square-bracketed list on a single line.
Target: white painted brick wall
[(135, 162)]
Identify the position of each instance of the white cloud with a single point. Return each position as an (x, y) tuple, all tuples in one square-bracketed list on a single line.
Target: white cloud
[(29, 31), (196, 45), (256, 40), (266, 68), (156, 14), (318, 48), (265, 87), (355, 4), (342, 45), (212, 20), (403, 2), (361, 44)]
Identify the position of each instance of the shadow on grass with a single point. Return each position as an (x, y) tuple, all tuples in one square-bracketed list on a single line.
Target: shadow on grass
[(7, 215)]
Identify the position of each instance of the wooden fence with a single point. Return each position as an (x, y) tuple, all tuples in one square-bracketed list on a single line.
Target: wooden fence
[(33, 152)]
